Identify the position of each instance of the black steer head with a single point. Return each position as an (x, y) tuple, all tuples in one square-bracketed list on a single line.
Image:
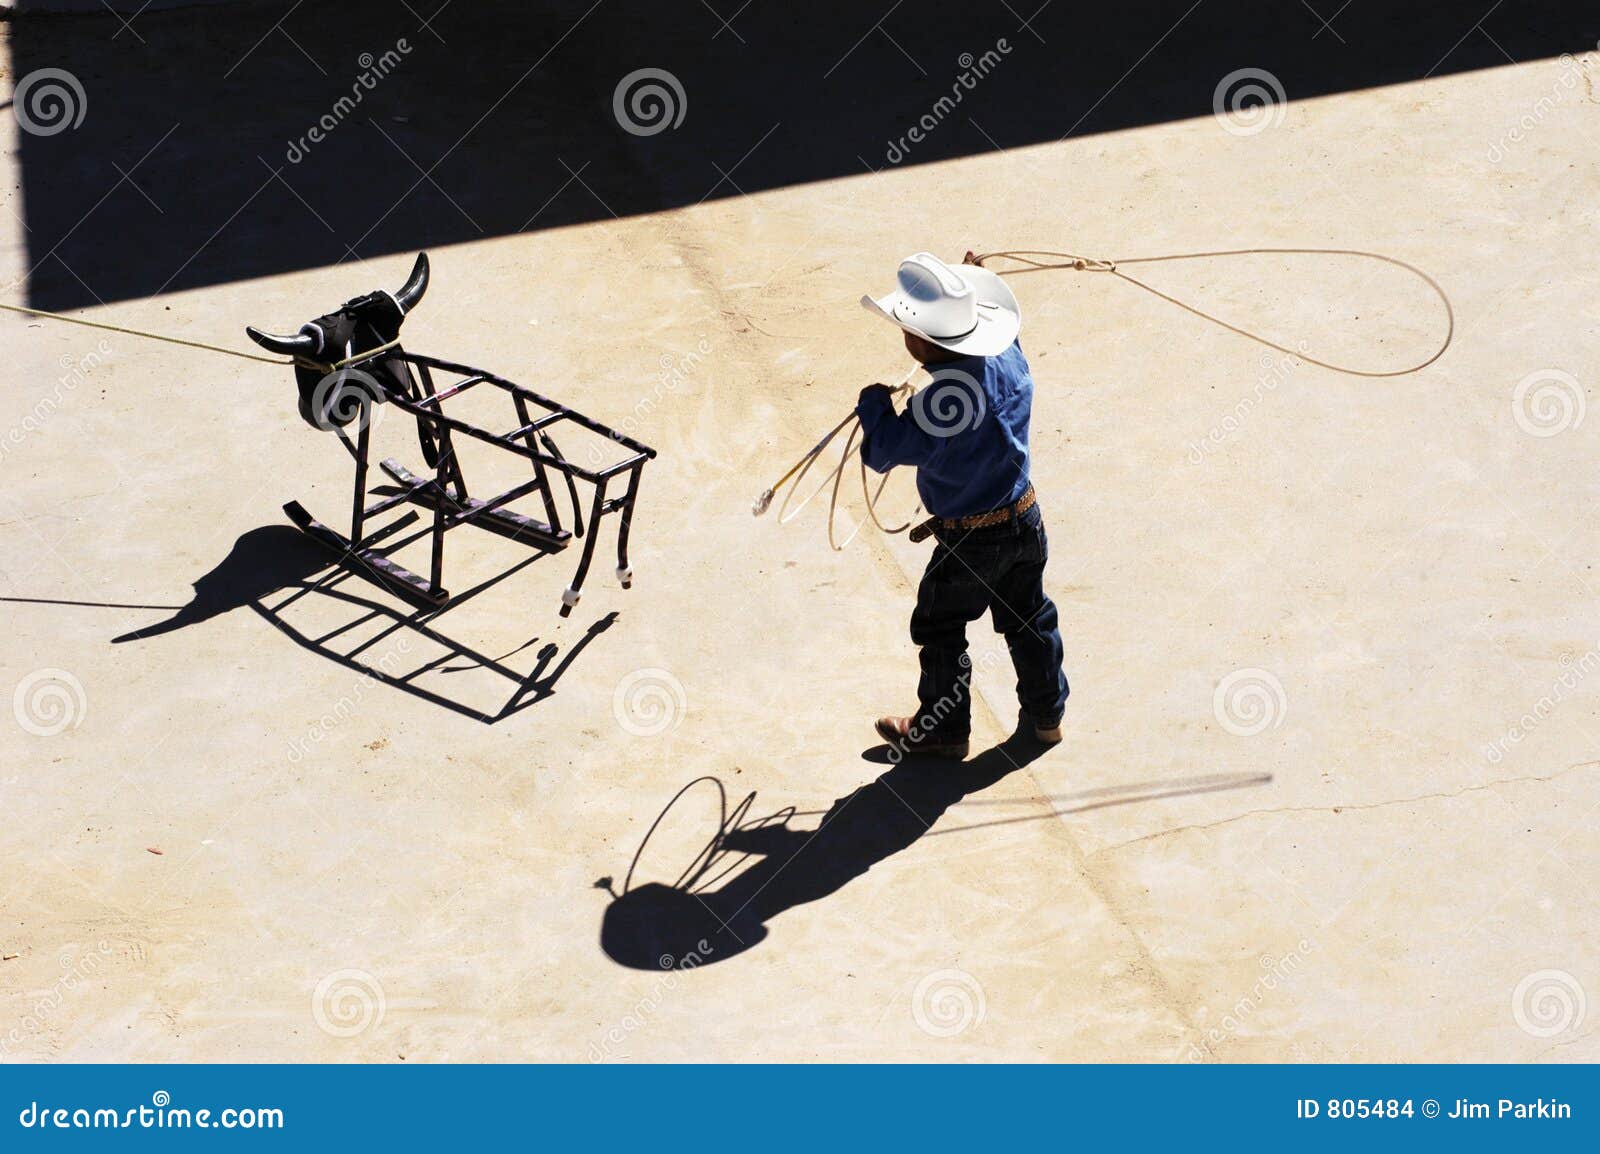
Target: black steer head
[(333, 397)]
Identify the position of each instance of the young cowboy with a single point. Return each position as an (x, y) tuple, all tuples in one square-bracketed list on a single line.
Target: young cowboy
[(967, 435)]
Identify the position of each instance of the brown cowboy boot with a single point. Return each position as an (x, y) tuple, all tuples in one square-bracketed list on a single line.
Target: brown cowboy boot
[(1043, 734), (901, 733)]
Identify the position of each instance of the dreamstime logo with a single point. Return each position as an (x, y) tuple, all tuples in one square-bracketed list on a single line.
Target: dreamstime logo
[(649, 101), (77, 970), (386, 668), (676, 370), (1248, 101), (1547, 402), (76, 370), (927, 721), (649, 702), (348, 1002), (373, 69), (947, 1003), (1249, 701), (1549, 1002), (1274, 372), (973, 69), (49, 101), (1276, 972), (48, 702), (344, 397), (1574, 74), (1574, 669), (951, 404), (646, 1008)]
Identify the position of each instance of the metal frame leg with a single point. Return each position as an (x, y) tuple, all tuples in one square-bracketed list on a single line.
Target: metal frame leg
[(524, 418), (440, 473), (358, 503), (570, 595), (625, 507)]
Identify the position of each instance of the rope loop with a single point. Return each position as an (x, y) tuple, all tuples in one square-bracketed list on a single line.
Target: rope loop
[(1039, 260)]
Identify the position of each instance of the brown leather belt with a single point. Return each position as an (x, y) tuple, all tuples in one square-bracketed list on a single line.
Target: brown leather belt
[(978, 520)]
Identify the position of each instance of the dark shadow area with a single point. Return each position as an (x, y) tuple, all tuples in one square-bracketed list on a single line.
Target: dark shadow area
[(260, 563), (756, 868), (278, 559), (236, 141)]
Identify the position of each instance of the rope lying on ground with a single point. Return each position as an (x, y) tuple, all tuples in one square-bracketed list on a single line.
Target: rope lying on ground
[(142, 333), (170, 340), (1079, 263)]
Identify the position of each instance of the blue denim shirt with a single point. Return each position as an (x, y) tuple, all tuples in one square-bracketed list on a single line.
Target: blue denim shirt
[(966, 432)]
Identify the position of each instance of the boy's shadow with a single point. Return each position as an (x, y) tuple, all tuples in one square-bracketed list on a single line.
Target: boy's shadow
[(689, 924), (276, 559), (655, 926)]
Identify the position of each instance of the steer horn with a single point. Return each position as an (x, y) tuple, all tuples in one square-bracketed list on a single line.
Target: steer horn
[(416, 284), (302, 344)]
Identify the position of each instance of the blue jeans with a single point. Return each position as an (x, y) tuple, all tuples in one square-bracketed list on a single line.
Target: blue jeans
[(998, 570)]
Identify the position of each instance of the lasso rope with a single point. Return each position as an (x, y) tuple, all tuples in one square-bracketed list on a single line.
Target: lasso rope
[(1069, 260), (1079, 263), (836, 477), (305, 362), (141, 333)]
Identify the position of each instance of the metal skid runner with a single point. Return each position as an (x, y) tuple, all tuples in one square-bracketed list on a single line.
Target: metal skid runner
[(371, 369)]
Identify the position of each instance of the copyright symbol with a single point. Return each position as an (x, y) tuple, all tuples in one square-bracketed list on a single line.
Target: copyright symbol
[(1430, 1109)]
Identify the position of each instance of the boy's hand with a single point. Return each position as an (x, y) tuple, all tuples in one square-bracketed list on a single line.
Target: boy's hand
[(874, 400), (970, 258), (869, 395)]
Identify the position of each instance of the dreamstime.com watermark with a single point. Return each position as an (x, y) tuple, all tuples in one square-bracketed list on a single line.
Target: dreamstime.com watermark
[(345, 707), (1574, 74), (1549, 1003), (648, 101), (973, 69), (48, 101), (647, 1007), (649, 702), (347, 398), (948, 1002), (1248, 101), (676, 369), (373, 69), (1574, 671), (75, 371), (76, 971), (348, 1002), (160, 1114), (1275, 371), (1548, 402), (927, 721), (1249, 701), (1276, 973), (49, 701), (950, 404)]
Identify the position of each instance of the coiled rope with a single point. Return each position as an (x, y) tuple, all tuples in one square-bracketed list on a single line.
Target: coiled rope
[(1075, 262)]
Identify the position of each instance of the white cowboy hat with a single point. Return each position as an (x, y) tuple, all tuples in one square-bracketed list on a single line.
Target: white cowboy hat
[(965, 309)]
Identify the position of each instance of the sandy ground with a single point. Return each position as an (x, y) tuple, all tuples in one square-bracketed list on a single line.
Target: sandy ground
[(1329, 786)]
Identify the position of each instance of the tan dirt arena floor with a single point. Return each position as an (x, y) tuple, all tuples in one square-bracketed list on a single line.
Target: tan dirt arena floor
[(1329, 786)]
